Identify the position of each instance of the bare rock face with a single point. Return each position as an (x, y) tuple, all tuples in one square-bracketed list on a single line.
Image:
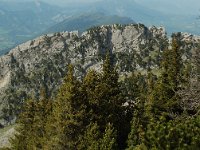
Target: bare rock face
[(5, 135), (42, 62)]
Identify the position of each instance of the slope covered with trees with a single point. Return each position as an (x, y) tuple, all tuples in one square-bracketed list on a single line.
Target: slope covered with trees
[(102, 111), (41, 63)]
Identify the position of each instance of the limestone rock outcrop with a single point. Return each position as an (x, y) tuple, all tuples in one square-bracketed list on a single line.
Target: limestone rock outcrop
[(42, 62)]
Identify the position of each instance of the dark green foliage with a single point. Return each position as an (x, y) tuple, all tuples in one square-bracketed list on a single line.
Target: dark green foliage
[(103, 112), (66, 124), (94, 139), (90, 141), (141, 109), (108, 140), (177, 134), (172, 65), (159, 120), (25, 138), (163, 99), (136, 136), (105, 100), (114, 111), (134, 86), (31, 131)]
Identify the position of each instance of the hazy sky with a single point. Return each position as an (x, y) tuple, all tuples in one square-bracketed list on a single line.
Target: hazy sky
[(183, 6), (75, 0), (176, 13), (167, 6)]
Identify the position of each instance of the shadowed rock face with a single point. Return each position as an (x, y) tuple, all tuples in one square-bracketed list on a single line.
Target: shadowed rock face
[(42, 62)]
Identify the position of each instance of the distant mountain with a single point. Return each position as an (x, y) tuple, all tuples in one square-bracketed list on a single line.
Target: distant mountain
[(176, 16), (141, 13), (86, 21), (20, 21)]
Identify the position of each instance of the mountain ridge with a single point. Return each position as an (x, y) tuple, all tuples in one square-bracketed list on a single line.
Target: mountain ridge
[(83, 22), (42, 62)]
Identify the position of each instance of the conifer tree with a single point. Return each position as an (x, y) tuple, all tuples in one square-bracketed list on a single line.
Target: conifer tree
[(108, 141), (164, 100), (26, 138), (173, 65), (174, 134), (136, 136), (31, 130), (91, 138), (105, 101), (142, 114), (95, 139), (111, 99), (90, 84), (131, 87), (43, 111), (66, 124), (161, 99), (109, 92)]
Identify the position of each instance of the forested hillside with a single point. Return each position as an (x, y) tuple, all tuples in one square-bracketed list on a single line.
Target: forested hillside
[(43, 62), (104, 112), (113, 87)]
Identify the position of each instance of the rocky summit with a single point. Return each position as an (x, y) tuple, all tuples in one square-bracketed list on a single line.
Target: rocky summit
[(42, 62)]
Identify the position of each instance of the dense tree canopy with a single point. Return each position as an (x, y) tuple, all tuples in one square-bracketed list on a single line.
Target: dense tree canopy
[(104, 112)]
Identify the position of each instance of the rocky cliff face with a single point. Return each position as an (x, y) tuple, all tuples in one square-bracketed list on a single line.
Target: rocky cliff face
[(42, 62)]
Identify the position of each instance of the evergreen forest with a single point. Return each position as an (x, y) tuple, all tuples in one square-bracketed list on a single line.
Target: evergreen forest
[(106, 111)]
